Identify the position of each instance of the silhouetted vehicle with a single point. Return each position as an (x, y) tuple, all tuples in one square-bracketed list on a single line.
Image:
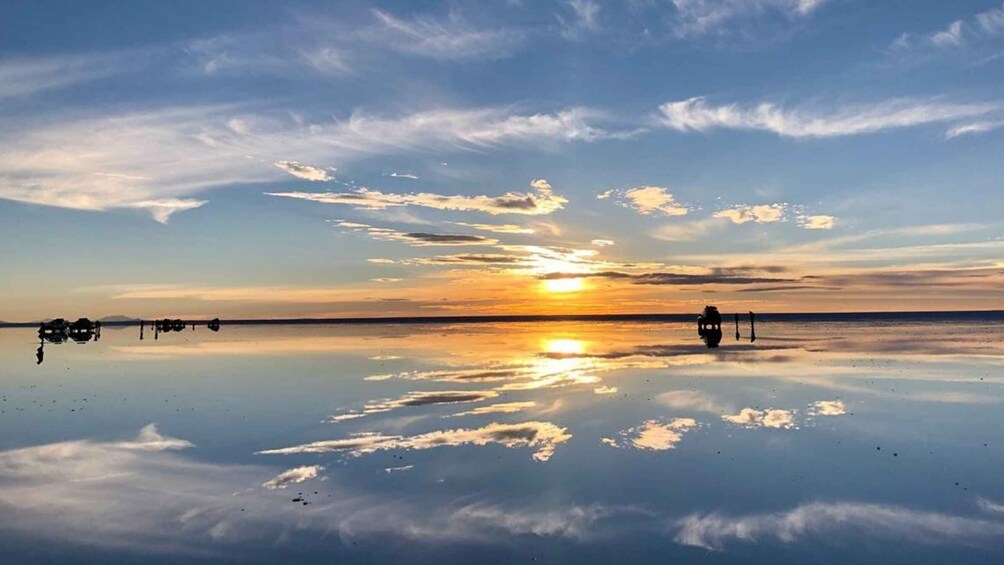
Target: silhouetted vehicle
[(709, 326), (54, 331), (58, 325), (214, 324), (84, 330)]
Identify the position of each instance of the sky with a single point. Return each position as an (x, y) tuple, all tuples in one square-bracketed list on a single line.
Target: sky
[(311, 159)]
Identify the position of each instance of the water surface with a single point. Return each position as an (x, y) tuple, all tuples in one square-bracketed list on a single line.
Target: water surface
[(868, 441)]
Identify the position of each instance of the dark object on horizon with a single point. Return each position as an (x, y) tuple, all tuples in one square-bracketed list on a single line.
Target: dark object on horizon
[(214, 324), (57, 326), (709, 326), (84, 330), (168, 325), (142, 326), (737, 326), (752, 327)]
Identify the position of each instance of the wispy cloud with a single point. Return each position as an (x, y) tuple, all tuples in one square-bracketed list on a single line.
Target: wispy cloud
[(544, 437), (421, 239), (981, 26), (413, 399), (31, 75), (695, 114), (542, 200), (584, 19), (151, 160), (500, 408), (451, 38), (973, 128), (293, 476), (714, 531), (700, 17), (498, 228), (306, 172)]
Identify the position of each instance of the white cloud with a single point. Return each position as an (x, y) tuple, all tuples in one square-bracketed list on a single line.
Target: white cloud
[(695, 114), (293, 476), (403, 176), (648, 200), (654, 435), (761, 214), (453, 38), (973, 128), (817, 222), (950, 37), (769, 418), (542, 201), (150, 439), (162, 209), (306, 172), (603, 242), (828, 408), (713, 531)]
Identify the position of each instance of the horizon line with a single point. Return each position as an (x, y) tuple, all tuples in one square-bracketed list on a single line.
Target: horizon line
[(515, 318)]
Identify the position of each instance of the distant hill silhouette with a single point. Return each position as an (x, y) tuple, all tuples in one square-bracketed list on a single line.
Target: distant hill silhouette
[(118, 318)]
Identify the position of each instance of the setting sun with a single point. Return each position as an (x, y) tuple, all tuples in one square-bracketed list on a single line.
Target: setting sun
[(564, 285)]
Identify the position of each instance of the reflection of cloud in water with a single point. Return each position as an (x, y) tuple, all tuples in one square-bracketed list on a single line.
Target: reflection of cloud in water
[(293, 476), (402, 469), (419, 399), (692, 400), (500, 408), (655, 435), (112, 495), (769, 418), (544, 436), (605, 390), (714, 531), (828, 408), (149, 439)]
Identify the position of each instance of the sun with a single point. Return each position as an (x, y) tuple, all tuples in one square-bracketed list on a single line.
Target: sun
[(564, 285)]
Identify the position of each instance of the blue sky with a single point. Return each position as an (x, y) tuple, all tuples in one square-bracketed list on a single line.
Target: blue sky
[(258, 159)]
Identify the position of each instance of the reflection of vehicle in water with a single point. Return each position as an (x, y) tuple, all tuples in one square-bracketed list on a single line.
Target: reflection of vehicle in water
[(167, 325), (59, 331), (709, 326)]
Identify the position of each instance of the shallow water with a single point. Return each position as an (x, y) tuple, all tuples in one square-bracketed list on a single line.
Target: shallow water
[(824, 442)]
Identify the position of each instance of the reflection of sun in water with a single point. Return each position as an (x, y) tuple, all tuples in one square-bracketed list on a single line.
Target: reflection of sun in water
[(563, 285), (565, 346)]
